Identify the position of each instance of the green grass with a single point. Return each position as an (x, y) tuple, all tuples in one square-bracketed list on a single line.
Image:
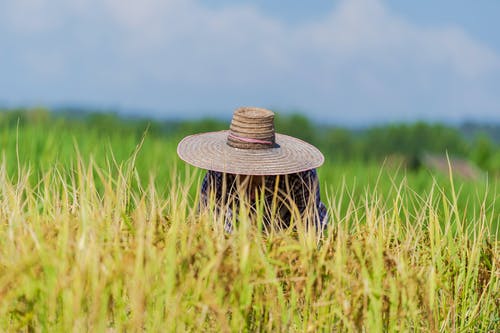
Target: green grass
[(98, 236)]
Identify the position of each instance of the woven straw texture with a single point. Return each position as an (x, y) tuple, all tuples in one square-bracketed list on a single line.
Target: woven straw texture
[(250, 147)]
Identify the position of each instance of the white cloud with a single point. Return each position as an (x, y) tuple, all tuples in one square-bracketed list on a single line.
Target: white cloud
[(179, 54)]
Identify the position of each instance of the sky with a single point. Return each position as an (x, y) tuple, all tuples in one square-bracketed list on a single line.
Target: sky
[(346, 62)]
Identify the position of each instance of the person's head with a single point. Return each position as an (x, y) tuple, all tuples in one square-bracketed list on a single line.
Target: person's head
[(250, 185)]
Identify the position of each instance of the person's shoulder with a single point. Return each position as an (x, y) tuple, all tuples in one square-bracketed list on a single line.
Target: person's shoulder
[(306, 175), (213, 173), (311, 173), (219, 177)]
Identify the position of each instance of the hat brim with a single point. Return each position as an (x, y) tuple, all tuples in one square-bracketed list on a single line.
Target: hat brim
[(210, 151)]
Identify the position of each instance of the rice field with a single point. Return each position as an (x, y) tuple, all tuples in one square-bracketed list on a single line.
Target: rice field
[(101, 233)]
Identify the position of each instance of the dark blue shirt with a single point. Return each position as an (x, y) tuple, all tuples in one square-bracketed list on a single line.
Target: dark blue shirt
[(287, 194)]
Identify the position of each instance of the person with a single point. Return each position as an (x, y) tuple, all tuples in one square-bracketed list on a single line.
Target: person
[(251, 166)]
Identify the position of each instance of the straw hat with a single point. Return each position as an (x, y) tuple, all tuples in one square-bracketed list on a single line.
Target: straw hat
[(249, 147)]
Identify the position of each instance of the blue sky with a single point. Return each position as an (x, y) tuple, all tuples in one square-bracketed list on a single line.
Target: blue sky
[(350, 62)]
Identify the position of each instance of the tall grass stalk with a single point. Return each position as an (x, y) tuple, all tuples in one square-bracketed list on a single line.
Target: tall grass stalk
[(95, 248)]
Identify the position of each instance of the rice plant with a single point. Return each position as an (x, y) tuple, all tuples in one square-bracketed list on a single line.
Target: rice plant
[(100, 244)]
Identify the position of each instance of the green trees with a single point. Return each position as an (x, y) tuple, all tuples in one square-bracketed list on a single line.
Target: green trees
[(408, 141), (413, 140), (485, 154)]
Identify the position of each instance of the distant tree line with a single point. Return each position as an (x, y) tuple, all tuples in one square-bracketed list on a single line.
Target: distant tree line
[(339, 144), (409, 141)]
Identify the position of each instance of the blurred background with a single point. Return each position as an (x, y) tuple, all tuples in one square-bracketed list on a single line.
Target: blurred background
[(381, 80)]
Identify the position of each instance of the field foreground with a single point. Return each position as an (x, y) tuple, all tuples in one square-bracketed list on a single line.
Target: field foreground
[(92, 248)]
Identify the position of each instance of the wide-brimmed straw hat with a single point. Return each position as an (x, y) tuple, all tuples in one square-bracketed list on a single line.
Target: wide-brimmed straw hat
[(249, 147)]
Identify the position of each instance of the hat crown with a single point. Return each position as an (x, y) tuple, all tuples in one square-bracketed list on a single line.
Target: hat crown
[(252, 128)]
